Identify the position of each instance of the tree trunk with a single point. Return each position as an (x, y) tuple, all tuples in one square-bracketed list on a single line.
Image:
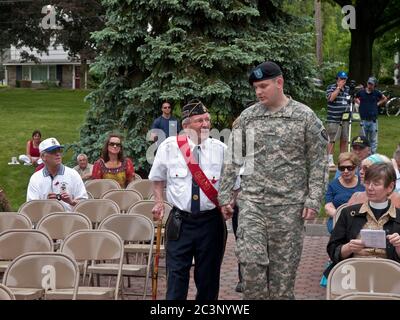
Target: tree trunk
[(362, 39), (360, 55), (318, 32)]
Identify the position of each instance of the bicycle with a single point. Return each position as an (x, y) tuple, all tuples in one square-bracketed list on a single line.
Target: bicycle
[(393, 107)]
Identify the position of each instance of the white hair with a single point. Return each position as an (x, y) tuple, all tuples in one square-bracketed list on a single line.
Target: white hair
[(81, 155)]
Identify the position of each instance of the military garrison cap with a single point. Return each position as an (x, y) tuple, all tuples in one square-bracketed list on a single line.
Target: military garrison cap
[(192, 108), (264, 71)]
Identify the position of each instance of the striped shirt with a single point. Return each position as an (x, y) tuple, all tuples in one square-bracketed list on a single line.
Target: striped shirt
[(337, 106)]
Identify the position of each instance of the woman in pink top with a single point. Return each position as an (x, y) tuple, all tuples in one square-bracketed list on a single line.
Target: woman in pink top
[(32, 155)]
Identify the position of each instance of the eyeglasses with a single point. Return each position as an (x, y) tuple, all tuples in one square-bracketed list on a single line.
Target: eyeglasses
[(114, 144), (349, 168), (166, 107)]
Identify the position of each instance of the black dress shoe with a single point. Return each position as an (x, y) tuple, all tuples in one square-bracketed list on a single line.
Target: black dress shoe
[(239, 287)]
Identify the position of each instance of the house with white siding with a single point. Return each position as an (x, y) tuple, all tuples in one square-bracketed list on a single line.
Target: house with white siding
[(55, 66)]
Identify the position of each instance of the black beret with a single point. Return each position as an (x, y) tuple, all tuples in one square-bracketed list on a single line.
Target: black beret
[(193, 108), (264, 71)]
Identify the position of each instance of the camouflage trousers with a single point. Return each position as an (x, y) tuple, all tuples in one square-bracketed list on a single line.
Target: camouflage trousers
[(268, 247)]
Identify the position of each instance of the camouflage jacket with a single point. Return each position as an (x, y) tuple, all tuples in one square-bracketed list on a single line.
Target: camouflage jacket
[(282, 156)]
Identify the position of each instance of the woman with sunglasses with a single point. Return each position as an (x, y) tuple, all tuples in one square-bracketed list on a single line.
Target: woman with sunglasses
[(113, 164), (376, 213), (361, 197), (342, 188)]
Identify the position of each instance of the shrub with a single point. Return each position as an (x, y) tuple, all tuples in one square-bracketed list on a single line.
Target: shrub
[(49, 85), (386, 80), (25, 83)]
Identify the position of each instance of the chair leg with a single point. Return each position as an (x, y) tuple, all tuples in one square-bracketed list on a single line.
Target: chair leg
[(127, 262)]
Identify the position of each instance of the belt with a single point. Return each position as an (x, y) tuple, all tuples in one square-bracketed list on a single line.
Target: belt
[(201, 214)]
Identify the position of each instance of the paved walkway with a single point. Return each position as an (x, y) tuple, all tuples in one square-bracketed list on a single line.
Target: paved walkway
[(313, 260)]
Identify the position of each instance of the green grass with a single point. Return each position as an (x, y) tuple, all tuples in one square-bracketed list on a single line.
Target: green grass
[(56, 113)]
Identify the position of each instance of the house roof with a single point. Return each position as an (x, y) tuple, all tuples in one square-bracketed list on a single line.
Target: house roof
[(43, 63), (55, 55)]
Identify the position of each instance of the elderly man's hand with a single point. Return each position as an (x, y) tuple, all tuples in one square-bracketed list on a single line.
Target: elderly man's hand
[(309, 214), (158, 211), (227, 211)]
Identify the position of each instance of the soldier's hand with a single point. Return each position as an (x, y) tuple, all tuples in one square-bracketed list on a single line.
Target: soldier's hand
[(227, 211), (309, 214), (158, 211)]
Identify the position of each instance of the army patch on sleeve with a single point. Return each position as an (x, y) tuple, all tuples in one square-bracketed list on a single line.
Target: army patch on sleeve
[(324, 134)]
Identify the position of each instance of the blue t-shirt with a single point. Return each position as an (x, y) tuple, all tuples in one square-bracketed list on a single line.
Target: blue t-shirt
[(369, 104), (338, 194), (171, 126)]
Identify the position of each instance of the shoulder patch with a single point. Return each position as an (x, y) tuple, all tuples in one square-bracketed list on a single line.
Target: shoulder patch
[(324, 134)]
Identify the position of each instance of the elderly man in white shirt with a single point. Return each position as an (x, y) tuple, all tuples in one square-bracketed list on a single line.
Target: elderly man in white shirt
[(55, 181), (195, 228)]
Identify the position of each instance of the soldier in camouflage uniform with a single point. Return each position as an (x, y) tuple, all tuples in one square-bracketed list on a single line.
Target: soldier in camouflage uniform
[(284, 177)]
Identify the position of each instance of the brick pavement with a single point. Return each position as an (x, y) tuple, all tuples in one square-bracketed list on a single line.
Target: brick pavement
[(309, 273)]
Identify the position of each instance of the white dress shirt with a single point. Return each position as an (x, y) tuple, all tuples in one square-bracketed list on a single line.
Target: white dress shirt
[(170, 166)]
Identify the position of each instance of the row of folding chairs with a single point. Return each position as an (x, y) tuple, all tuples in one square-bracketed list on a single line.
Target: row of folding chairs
[(96, 188), (95, 209), (106, 243)]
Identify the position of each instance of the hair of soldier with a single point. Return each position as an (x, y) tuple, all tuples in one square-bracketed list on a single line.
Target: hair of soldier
[(349, 156), (381, 171), (81, 155), (396, 153)]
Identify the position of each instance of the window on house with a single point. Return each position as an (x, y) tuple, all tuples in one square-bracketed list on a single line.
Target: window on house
[(52, 73), (39, 73), (25, 73)]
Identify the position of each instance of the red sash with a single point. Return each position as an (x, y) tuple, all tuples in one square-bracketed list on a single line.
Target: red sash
[(198, 174)]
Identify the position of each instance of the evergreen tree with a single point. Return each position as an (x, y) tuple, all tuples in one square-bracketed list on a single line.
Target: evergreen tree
[(155, 50)]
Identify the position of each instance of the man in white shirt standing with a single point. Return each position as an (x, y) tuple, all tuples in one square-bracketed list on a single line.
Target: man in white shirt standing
[(55, 181), (190, 167)]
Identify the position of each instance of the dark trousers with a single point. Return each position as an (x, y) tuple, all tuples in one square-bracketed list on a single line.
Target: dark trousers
[(203, 238), (235, 218)]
